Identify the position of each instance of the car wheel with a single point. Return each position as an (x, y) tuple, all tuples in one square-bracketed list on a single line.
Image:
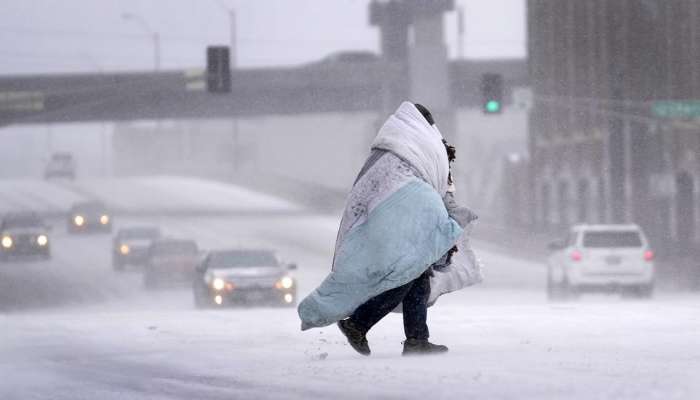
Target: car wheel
[(559, 291), (646, 292), (554, 289), (117, 263), (200, 302), (639, 292), (199, 299)]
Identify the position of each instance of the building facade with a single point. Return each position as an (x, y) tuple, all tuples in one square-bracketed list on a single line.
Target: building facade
[(599, 152)]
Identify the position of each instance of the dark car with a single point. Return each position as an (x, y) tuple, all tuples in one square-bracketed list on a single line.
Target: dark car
[(243, 277), (89, 216), (170, 262), (24, 235), (130, 246), (61, 165)]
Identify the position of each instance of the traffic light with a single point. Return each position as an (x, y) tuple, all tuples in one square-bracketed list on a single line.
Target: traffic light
[(492, 93), (218, 69)]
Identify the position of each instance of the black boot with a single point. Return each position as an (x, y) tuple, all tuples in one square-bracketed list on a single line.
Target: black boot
[(356, 336), (421, 346)]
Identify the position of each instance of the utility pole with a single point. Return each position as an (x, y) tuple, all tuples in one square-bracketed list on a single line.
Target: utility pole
[(233, 61)]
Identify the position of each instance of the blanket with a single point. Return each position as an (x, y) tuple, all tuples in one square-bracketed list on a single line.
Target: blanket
[(395, 225)]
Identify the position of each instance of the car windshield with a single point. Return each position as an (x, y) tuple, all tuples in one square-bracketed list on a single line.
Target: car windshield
[(612, 239), (139, 233), (175, 248), (242, 258), (22, 222)]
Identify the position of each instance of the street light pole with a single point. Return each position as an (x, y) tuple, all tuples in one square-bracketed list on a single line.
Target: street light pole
[(234, 40), (155, 37), (460, 33), (233, 28), (233, 58)]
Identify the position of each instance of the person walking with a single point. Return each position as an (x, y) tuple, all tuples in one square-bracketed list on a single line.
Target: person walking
[(397, 238)]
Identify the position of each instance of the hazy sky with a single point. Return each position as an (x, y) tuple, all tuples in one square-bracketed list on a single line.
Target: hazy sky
[(86, 35)]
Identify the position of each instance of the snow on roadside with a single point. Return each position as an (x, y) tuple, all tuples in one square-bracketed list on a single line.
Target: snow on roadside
[(143, 195), (163, 194)]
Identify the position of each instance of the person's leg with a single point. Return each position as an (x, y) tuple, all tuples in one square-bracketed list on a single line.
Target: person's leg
[(415, 308), (415, 313), (368, 314), (376, 308)]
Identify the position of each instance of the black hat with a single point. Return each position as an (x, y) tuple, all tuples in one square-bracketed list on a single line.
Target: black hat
[(424, 111)]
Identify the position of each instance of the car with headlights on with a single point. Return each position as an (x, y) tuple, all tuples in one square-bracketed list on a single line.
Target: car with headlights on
[(170, 262), (24, 235), (61, 165), (130, 246), (240, 276), (609, 258), (89, 216)]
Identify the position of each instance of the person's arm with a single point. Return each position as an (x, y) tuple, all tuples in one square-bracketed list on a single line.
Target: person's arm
[(461, 214)]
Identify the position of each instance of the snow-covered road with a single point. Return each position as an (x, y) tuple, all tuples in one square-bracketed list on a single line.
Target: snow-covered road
[(503, 345), (506, 341)]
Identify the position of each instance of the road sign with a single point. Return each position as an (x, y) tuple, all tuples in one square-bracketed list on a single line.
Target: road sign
[(195, 80), (22, 101), (676, 109)]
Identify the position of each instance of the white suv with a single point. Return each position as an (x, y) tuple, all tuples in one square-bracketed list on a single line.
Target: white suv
[(600, 258)]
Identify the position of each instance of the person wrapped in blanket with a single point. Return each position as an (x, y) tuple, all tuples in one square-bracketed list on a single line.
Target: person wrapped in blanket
[(403, 240)]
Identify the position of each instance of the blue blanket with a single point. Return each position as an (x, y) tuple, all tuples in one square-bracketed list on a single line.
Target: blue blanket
[(397, 241)]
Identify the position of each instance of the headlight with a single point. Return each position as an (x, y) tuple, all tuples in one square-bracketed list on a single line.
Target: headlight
[(104, 220), (288, 298), (79, 220), (42, 240), (124, 249), (218, 284), (285, 283), (6, 242)]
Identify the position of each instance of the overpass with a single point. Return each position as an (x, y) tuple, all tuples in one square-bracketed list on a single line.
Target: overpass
[(316, 87)]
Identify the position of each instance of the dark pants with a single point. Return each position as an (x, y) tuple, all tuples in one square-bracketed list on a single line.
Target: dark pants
[(414, 296)]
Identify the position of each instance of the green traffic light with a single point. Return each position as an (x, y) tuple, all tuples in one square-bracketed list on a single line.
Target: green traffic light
[(493, 106)]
